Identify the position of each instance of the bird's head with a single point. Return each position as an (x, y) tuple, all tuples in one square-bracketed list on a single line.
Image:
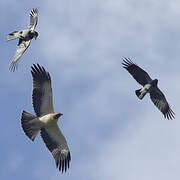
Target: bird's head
[(154, 82), (57, 115), (35, 35)]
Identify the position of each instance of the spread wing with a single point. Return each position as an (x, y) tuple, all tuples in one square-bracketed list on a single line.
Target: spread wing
[(138, 74), (42, 91), (57, 145), (21, 48), (33, 19), (161, 103)]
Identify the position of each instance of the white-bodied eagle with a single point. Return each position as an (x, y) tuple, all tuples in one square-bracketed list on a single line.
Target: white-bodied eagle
[(25, 36), (149, 86), (46, 119)]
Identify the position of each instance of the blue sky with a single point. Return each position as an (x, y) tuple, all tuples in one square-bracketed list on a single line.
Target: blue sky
[(111, 134)]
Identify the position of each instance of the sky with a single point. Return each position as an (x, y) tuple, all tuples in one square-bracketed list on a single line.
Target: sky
[(110, 132)]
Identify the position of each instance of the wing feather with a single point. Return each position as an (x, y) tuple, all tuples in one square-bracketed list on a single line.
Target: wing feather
[(161, 103), (42, 91), (33, 19), (138, 74), (57, 145), (12, 35), (21, 48)]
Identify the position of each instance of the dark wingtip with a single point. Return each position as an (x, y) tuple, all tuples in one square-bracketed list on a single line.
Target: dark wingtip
[(170, 115), (63, 162), (39, 72), (127, 62), (33, 11), (38, 69)]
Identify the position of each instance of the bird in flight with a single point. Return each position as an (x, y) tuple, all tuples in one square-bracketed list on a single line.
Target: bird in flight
[(45, 119), (149, 86), (25, 36)]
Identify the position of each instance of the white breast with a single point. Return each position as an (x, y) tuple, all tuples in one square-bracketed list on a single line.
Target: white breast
[(48, 120)]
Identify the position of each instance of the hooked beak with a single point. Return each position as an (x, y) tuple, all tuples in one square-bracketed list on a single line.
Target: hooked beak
[(56, 116)]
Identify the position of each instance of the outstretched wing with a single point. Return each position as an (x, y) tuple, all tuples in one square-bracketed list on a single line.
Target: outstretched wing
[(138, 74), (21, 48), (33, 19), (57, 145), (161, 103), (42, 91)]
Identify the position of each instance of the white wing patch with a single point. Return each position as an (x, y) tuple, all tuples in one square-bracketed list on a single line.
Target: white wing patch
[(21, 48)]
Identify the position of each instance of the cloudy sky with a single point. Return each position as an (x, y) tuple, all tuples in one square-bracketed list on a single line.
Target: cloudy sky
[(111, 134)]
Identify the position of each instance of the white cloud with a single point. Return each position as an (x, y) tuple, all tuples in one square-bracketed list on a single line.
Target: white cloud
[(147, 151)]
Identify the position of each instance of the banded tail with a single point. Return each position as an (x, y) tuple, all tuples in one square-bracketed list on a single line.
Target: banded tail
[(28, 122)]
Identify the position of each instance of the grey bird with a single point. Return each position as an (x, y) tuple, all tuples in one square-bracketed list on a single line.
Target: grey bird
[(25, 36), (45, 119), (149, 86)]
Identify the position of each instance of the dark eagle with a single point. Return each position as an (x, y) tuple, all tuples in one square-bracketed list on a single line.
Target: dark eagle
[(149, 86), (25, 36), (46, 119)]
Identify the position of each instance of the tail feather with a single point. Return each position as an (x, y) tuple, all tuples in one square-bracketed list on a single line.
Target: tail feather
[(140, 94), (27, 125), (12, 35)]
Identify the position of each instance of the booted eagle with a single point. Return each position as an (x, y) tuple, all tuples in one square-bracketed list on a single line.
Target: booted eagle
[(45, 119), (149, 86), (25, 36)]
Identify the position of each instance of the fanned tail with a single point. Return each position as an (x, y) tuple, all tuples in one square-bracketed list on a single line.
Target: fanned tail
[(140, 94), (27, 124)]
